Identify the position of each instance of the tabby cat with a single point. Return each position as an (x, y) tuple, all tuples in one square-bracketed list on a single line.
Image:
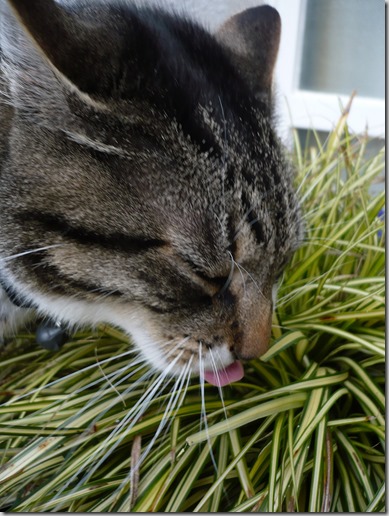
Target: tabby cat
[(141, 180)]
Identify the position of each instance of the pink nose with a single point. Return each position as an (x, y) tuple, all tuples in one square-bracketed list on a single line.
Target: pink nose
[(252, 340)]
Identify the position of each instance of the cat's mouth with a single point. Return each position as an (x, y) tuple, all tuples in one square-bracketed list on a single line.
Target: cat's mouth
[(232, 373)]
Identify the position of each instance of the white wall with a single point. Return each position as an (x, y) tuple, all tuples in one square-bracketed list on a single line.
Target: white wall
[(210, 12)]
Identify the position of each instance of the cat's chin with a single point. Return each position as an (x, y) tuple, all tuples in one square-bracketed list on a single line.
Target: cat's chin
[(218, 368)]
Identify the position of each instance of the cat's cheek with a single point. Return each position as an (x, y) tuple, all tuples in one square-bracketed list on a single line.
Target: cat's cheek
[(140, 329), (160, 353), (75, 313), (137, 323)]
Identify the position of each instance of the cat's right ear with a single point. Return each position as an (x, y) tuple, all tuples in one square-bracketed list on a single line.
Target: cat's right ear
[(77, 50), (252, 39)]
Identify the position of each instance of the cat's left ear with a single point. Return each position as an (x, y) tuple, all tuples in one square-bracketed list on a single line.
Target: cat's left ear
[(252, 39), (78, 50)]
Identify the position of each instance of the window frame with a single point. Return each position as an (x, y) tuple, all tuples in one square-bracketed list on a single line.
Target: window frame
[(304, 109)]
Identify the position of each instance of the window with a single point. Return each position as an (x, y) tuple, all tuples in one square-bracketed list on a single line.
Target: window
[(344, 47), (328, 49)]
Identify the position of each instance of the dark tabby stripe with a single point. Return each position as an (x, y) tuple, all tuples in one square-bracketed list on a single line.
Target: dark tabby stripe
[(115, 241), (253, 221), (59, 283), (14, 296)]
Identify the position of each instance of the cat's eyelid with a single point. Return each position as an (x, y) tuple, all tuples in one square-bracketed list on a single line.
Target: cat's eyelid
[(215, 279), (212, 284)]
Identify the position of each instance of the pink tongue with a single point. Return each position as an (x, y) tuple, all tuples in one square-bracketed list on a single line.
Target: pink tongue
[(232, 373)]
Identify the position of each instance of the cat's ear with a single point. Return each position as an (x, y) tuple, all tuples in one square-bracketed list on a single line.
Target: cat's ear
[(72, 46), (252, 38)]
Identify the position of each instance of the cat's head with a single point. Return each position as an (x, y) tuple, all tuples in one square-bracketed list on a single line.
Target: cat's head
[(143, 161)]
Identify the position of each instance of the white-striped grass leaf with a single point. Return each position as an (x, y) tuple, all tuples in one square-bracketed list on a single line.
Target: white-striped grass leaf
[(183, 489), (356, 462), (283, 343), (363, 342), (306, 384), (366, 380), (267, 408), (241, 466), (317, 483), (221, 467), (261, 430), (275, 460), (372, 411), (378, 502), (306, 432)]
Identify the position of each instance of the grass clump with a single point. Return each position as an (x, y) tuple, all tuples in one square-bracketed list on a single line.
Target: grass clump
[(303, 431)]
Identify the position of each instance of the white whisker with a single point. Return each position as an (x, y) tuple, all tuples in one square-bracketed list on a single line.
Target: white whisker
[(84, 140), (240, 271), (173, 398), (167, 416), (133, 414), (93, 401), (216, 369), (32, 251), (71, 375), (203, 417), (108, 379), (230, 275)]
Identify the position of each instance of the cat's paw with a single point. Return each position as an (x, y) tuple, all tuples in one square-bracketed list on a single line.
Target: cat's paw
[(12, 318)]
